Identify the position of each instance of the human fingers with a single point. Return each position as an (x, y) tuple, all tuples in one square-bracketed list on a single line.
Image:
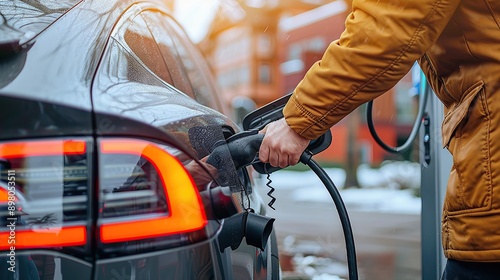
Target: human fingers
[(284, 160), (264, 150), (273, 157), (294, 158), (276, 147), (270, 148)]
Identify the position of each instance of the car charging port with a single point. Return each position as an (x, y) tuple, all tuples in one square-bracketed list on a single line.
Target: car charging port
[(256, 228), (218, 203)]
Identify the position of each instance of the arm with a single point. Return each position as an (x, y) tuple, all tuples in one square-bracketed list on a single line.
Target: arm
[(382, 40)]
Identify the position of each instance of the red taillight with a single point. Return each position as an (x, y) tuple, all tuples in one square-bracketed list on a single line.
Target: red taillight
[(39, 177), (4, 196), (183, 211), (48, 237), (42, 148)]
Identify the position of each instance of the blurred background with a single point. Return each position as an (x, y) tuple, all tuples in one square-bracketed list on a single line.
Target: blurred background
[(258, 51)]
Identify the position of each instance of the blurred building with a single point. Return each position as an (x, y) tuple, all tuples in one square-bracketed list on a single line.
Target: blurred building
[(243, 43), (262, 49)]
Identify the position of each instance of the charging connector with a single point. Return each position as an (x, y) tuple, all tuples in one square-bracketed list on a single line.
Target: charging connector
[(244, 147)]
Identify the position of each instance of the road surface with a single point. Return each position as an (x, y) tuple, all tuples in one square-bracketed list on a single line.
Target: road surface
[(387, 244)]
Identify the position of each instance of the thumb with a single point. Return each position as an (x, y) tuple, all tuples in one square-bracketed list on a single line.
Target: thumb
[(264, 130)]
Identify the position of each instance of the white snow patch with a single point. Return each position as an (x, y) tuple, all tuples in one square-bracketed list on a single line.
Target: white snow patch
[(380, 188)]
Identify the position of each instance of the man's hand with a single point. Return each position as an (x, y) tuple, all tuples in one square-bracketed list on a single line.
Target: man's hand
[(281, 146)]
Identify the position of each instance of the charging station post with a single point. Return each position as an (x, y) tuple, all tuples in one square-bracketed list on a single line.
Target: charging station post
[(434, 177)]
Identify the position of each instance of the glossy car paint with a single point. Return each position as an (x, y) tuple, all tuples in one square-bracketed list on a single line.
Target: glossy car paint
[(77, 78)]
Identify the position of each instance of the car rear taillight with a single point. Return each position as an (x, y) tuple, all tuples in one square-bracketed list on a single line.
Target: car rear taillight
[(145, 193), (43, 193)]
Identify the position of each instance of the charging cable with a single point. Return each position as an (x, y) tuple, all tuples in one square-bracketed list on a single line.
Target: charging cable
[(306, 158), (416, 126)]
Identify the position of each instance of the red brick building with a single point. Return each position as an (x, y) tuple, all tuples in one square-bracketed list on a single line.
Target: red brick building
[(242, 46)]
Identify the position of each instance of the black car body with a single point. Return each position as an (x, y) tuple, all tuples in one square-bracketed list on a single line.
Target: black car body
[(106, 109)]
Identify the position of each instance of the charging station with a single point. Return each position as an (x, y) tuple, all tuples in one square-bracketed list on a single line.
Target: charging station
[(434, 178)]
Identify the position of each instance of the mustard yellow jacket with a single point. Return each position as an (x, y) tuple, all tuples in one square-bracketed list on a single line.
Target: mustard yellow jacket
[(457, 44)]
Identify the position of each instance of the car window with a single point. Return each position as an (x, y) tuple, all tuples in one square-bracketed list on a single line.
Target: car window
[(140, 41), (167, 47), (178, 45), (197, 70)]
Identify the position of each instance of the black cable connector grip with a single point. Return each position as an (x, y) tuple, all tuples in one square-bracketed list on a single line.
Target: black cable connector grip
[(243, 148), (306, 157)]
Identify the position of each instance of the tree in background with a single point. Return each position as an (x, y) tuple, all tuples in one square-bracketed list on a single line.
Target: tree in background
[(354, 121)]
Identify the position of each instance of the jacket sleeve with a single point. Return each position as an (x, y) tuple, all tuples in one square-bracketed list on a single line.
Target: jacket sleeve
[(381, 41)]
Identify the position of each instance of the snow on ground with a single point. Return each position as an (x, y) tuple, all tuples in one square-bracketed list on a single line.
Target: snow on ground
[(390, 188), (380, 188)]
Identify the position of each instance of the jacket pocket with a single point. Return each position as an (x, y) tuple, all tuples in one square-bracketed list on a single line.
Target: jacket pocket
[(458, 113), (466, 133)]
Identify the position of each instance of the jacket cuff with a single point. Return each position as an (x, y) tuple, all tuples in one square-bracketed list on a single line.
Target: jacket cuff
[(302, 121)]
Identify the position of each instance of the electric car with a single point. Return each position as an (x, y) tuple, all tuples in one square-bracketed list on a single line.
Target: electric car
[(108, 117)]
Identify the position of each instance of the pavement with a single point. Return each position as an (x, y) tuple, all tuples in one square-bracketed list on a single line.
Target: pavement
[(311, 241)]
